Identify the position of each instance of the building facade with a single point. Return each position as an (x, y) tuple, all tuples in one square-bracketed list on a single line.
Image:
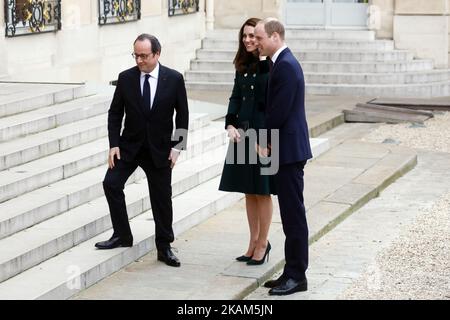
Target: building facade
[(421, 26), (78, 40)]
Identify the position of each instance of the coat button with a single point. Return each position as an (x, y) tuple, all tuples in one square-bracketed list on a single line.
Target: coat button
[(251, 87), (243, 98), (245, 75), (254, 75)]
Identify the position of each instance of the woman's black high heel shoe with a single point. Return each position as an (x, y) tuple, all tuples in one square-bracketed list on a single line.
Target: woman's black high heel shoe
[(252, 262), (243, 258)]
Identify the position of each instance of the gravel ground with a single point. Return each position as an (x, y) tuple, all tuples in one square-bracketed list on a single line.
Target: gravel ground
[(433, 135), (417, 264)]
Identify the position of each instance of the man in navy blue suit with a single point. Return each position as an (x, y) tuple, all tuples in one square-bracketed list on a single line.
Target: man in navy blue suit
[(148, 95), (285, 112)]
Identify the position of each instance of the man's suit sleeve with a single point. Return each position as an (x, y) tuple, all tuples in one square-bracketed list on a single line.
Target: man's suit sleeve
[(179, 141), (115, 115), (284, 85)]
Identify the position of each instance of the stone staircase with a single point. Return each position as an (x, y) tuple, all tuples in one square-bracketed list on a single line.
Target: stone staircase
[(53, 151), (340, 62)]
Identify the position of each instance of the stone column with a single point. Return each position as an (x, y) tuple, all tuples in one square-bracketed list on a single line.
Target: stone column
[(209, 14), (4, 62), (423, 27), (381, 13)]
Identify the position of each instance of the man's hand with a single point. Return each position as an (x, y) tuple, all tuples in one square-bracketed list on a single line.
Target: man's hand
[(112, 153), (233, 134), (173, 156), (262, 152)]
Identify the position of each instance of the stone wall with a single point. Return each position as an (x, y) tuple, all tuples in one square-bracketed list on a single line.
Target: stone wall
[(83, 50), (230, 14), (423, 27)]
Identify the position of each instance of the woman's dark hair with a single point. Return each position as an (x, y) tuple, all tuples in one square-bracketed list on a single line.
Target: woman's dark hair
[(245, 61)]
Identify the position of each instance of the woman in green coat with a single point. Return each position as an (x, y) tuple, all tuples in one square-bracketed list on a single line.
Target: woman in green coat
[(246, 111)]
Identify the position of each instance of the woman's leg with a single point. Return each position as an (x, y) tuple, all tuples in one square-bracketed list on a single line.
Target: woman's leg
[(253, 222), (264, 210)]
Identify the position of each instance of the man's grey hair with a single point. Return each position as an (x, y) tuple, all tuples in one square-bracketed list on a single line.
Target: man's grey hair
[(156, 46), (272, 25)]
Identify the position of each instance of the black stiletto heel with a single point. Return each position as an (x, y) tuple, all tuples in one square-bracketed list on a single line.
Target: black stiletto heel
[(243, 258), (253, 262)]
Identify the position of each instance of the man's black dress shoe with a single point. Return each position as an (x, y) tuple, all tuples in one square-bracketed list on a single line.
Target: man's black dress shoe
[(275, 283), (167, 256), (115, 242), (289, 286)]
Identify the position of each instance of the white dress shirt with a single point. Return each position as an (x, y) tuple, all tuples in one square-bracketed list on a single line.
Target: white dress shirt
[(153, 81), (275, 56)]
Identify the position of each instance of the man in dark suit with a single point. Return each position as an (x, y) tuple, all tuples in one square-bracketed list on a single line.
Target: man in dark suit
[(148, 94), (285, 112)]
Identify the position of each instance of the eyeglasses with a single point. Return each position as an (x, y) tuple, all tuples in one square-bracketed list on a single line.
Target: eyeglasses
[(142, 56)]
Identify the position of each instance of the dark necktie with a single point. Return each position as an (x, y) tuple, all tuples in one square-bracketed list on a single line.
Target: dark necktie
[(270, 65), (146, 94)]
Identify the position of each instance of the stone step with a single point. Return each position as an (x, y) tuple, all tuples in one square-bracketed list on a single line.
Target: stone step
[(335, 78), (327, 66), (31, 147), (53, 116), (36, 244), (416, 90), (397, 78), (50, 279), (303, 34), (80, 267), (321, 55), (47, 170), (302, 45), (23, 97), (41, 204)]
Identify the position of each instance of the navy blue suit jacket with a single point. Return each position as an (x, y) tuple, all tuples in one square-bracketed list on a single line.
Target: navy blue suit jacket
[(285, 109), (155, 128)]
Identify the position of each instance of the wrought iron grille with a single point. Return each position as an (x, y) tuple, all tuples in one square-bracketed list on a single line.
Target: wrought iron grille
[(178, 7), (118, 11), (32, 16)]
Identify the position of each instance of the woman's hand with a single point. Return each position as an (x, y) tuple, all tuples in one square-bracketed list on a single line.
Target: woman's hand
[(233, 134)]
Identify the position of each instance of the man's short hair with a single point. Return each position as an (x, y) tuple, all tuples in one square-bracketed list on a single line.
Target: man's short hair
[(156, 46), (272, 25)]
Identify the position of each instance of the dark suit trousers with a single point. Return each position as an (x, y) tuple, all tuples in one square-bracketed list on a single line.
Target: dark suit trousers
[(289, 184), (160, 189)]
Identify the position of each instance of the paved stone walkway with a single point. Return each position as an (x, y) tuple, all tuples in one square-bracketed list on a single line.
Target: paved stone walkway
[(339, 258)]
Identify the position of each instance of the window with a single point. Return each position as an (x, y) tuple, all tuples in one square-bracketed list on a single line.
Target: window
[(178, 7), (32, 16), (118, 11)]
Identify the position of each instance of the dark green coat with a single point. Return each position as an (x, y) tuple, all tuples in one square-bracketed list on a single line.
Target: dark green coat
[(246, 110)]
